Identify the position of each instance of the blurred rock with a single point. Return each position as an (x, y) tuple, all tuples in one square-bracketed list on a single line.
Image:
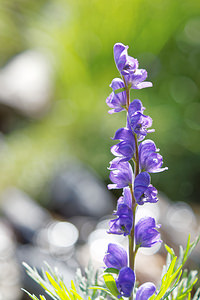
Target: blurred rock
[(57, 239), (10, 279), (77, 191), (23, 213), (26, 84)]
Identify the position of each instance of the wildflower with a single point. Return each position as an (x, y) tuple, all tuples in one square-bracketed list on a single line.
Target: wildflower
[(145, 291), (137, 121), (128, 67), (125, 281), (126, 148), (116, 257), (149, 160), (143, 190), (124, 222), (124, 62), (121, 174), (146, 233), (116, 101), (136, 79)]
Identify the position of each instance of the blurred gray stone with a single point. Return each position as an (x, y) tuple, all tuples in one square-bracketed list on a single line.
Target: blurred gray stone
[(26, 83), (25, 215), (10, 279), (77, 191)]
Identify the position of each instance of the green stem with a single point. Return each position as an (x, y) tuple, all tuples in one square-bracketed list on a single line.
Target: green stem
[(132, 248), (127, 93)]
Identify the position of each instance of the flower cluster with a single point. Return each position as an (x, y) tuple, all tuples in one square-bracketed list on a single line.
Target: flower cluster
[(135, 158)]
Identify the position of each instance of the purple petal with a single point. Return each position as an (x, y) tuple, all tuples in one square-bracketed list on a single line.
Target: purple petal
[(146, 234), (125, 281), (116, 257), (145, 291), (117, 83), (135, 106), (120, 55)]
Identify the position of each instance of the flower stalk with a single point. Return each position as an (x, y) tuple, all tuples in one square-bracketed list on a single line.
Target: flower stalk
[(137, 189)]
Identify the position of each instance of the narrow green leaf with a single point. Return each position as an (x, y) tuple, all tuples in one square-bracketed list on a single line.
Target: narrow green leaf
[(32, 296), (101, 289), (111, 270), (120, 90), (197, 295), (78, 297), (111, 284), (170, 250)]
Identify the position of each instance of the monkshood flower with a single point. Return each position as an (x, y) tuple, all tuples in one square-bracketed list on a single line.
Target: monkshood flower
[(143, 190), (146, 233), (136, 106), (116, 101), (126, 198), (124, 221), (125, 282), (145, 291), (136, 80), (125, 63), (128, 67), (121, 174), (126, 148), (149, 160), (116, 257), (137, 121)]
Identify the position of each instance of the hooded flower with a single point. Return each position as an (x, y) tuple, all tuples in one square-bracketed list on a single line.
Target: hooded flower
[(125, 281), (136, 79), (128, 67), (116, 101), (137, 121), (143, 190), (121, 174), (149, 160), (125, 63), (145, 291), (116, 257), (126, 148), (146, 233), (124, 221)]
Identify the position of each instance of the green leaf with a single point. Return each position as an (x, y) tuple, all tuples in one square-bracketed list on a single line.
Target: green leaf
[(32, 296), (102, 289), (119, 90), (197, 295), (111, 270), (111, 284), (170, 250)]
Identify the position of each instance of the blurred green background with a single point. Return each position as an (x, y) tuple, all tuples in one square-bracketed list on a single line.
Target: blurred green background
[(77, 37)]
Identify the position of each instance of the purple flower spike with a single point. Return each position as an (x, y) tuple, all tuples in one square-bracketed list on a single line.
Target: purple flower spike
[(145, 291), (125, 281), (126, 148), (146, 234), (116, 257), (121, 174), (136, 79), (124, 62), (143, 190), (116, 101), (149, 160)]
